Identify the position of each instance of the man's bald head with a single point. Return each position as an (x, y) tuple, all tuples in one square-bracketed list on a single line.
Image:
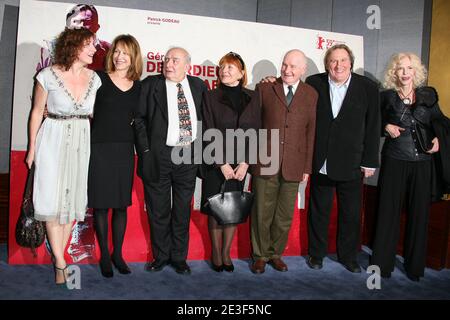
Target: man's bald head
[(293, 67)]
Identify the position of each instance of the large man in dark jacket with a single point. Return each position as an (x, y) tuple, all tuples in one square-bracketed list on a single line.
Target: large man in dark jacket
[(346, 147)]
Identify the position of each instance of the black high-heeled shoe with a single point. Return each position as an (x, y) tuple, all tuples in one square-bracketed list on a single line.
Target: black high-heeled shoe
[(228, 267), (121, 266), (63, 270), (216, 268), (106, 268)]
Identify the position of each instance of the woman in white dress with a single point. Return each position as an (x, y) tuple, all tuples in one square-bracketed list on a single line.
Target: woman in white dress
[(59, 146)]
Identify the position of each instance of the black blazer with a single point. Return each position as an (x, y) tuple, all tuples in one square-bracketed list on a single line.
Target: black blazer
[(218, 113), (151, 122), (352, 139)]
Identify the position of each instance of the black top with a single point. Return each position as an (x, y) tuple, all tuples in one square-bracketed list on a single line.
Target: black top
[(412, 118), (113, 112), (220, 113), (234, 94)]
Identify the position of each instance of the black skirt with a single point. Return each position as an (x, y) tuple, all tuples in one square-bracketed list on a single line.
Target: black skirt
[(111, 170)]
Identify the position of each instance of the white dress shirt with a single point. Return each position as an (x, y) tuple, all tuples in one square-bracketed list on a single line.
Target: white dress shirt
[(294, 88), (173, 130)]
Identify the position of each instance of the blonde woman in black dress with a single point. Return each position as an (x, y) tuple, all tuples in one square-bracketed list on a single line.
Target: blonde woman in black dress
[(111, 166), (408, 108)]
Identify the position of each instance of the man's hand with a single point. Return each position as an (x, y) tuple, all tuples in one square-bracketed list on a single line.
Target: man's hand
[(305, 177), (368, 172), (268, 79)]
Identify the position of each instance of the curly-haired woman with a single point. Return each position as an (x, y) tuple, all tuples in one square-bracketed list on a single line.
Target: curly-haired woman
[(230, 106), (60, 145)]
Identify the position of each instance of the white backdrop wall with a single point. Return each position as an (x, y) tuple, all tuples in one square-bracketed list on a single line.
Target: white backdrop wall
[(405, 24), (262, 46)]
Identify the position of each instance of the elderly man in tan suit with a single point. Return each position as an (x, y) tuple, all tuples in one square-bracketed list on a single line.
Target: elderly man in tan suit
[(288, 105)]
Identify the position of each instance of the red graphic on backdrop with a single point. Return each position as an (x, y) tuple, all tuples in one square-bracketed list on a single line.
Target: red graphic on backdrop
[(137, 244), (323, 43), (320, 41), (208, 71)]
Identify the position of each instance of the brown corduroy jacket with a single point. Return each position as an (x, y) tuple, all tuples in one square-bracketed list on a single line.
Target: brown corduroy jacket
[(296, 124)]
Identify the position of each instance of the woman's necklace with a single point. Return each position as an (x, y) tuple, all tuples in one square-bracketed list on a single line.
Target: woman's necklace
[(407, 100)]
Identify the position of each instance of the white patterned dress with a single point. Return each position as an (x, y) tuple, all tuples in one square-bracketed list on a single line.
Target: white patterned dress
[(62, 152)]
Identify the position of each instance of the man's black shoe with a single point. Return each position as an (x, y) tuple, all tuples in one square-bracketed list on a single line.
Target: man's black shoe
[(351, 266), (155, 266), (413, 277), (314, 263), (181, 267)]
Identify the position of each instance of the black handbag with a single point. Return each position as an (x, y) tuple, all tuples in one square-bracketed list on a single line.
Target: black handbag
[(423, 137), (231, 207), (30, 233)]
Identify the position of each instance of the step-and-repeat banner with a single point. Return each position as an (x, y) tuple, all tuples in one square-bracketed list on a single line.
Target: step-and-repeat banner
[(262, 47)]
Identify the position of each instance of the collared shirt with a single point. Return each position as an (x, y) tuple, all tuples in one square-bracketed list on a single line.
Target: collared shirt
[(337, 96), (294, 87), (173, 130)]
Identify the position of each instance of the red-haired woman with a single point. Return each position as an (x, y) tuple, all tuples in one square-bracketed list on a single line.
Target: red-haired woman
[(230, 106)]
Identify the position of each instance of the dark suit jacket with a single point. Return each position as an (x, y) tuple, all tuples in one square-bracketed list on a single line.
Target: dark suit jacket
[(296, 125), (218, 113), (351, 140), (151, 122)]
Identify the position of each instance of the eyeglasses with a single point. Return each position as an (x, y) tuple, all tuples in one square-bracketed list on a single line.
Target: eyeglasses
[(174, 60), (234, 54)]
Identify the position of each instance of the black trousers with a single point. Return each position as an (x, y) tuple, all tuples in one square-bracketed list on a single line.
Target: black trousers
[(399, 180), (169, 208), (349, 205)]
